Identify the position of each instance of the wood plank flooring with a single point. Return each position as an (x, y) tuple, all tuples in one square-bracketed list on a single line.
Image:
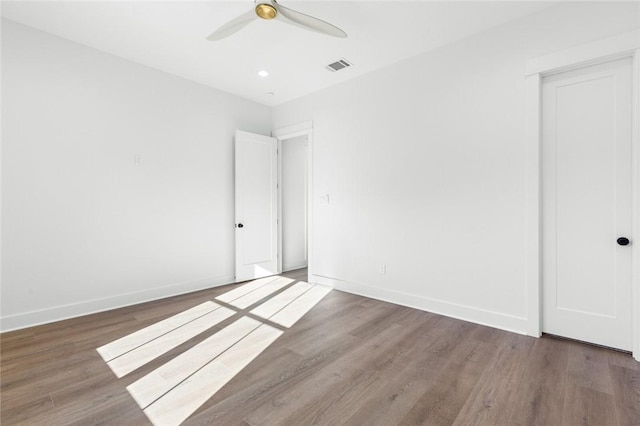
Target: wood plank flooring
[(349, 360)]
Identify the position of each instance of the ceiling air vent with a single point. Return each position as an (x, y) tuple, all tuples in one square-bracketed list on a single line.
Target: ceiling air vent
[(338, 65)]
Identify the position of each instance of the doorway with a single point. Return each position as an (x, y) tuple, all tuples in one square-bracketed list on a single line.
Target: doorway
[(587, 204), (273, 202), (293, 201), (295, 197)]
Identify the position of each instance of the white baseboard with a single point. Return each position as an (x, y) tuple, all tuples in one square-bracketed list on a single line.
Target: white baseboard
[(449, 309), (62, 312)]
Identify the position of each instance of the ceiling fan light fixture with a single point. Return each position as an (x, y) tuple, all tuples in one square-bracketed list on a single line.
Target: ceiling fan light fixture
[(266, 11)]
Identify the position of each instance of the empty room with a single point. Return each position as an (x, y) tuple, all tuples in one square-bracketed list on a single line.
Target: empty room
[(320, 212)]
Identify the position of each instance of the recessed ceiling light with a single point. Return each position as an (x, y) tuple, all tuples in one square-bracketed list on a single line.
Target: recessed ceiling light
[(270, 93), (263, 73)]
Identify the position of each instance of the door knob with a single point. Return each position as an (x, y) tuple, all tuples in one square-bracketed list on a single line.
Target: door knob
[(623, 241), (240, 225)]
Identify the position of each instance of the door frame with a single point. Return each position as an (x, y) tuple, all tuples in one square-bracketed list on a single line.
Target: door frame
[(625, 45), (289, 132)]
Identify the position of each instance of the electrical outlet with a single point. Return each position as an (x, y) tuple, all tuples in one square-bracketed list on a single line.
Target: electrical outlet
[(383, 269), (137, 159)]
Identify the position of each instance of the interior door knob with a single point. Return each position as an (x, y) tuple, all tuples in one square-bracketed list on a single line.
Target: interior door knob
[(623, 241), (240, 225)]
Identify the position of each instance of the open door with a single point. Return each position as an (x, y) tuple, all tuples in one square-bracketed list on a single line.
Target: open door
[(256, 178)]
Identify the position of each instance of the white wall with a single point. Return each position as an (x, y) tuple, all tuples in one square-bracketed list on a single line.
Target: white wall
[(424, 162), (293, 155), (86, 229)]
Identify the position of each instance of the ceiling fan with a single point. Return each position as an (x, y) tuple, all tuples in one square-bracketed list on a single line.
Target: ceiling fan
[(270, 9)]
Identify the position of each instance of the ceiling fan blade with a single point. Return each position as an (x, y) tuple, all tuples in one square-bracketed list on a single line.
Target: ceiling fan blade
[(233, 26), (298, 19)]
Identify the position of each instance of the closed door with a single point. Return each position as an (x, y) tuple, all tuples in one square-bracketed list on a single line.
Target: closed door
[(256, 206), (586, 185)]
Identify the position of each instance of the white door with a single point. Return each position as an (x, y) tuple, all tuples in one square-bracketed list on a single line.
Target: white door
[(256, 206), (586, 185)]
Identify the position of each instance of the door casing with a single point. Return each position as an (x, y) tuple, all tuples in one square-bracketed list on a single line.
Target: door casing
[(626, 45)]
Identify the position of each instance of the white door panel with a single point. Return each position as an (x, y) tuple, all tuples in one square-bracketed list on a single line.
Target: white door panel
[(587, 204), (256, 206)]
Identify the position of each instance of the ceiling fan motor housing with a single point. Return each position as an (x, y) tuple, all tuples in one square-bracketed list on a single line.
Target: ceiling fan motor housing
[(266, 11)]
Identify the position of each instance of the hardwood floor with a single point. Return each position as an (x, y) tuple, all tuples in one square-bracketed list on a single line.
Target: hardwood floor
[(349, 360)]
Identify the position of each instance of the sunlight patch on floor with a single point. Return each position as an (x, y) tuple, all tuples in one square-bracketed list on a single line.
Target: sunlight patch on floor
[(273, 305), (132, 341), (172, 392), (291, 313), (260, 293), (155, 384), (245, 289), (140, 356), (181, 401)]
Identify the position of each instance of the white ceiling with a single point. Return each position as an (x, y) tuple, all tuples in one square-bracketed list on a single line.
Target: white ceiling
[(170, 36)]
